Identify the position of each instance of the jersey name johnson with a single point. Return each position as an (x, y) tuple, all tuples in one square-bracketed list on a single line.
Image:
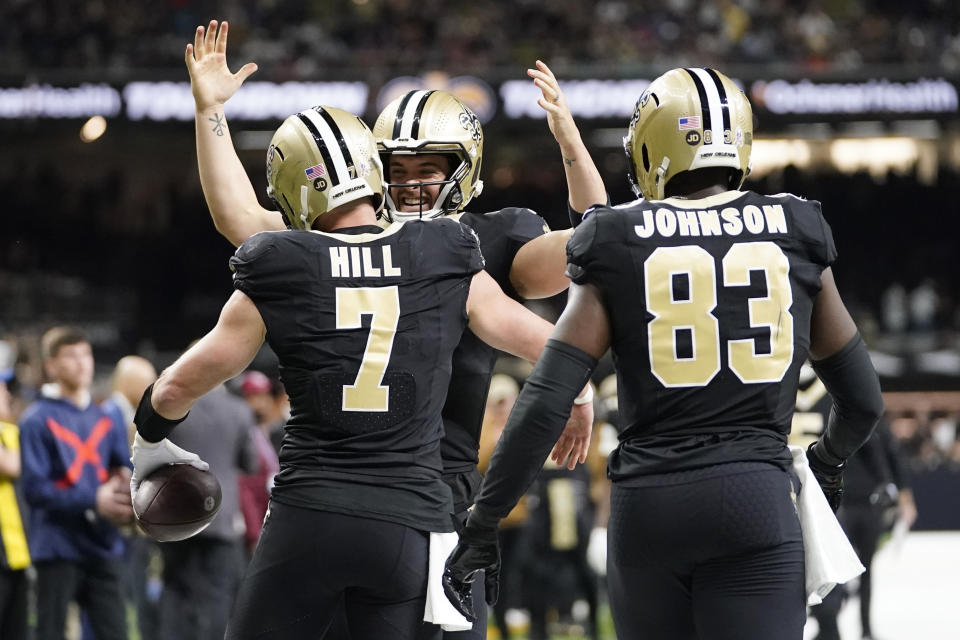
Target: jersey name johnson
[(751, 220), (709, 302)]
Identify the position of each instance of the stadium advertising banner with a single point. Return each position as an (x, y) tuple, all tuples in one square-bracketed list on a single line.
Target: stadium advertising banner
[(801, 100)]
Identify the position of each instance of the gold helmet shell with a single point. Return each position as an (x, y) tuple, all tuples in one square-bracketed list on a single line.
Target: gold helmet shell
[(688, 119), (433, 122), (320, 159)]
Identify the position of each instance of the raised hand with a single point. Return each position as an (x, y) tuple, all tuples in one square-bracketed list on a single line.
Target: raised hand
[(210, 78), (559, 118)]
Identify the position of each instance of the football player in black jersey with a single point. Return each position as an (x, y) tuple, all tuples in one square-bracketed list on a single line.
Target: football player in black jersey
[(711, 298), (364, 321), (432, 146)]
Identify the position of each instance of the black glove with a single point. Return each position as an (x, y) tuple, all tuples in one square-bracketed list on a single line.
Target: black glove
[(829, 477), (478, 550)]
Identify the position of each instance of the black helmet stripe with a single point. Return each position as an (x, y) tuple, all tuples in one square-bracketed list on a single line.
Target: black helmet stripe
[(407, 123), (415, 129), (724, 106), (704, 105), (713, 101), (347, 156), (322, 146), (398, 118)]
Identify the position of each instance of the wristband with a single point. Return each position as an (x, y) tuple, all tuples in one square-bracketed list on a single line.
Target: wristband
[(152, 426), (586, 397)]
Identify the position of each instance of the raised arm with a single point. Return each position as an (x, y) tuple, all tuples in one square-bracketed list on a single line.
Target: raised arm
[(583, 180), (231, 199)]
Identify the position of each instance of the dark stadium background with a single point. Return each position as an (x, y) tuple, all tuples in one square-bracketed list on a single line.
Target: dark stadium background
[(114, 235)]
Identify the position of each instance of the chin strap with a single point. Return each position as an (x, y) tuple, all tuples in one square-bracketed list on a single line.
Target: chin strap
[(661, 172), (304, 209)]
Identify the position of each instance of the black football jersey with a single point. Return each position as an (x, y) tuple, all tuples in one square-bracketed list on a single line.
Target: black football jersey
[(364, 325), (709, 303), (501, 234)]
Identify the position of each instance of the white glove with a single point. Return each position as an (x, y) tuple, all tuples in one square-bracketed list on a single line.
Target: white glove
[(149, 456), (597, 550)]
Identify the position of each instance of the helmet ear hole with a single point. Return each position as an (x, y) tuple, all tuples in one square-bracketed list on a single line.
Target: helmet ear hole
[(645, 157)]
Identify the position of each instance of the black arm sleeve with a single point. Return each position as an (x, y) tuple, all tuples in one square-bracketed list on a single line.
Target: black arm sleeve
[(576, 217), (857, 403), (535, 424)]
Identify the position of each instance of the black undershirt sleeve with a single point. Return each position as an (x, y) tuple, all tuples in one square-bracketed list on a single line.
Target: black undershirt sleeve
[(536, 422), (576, 217), (857, 402)]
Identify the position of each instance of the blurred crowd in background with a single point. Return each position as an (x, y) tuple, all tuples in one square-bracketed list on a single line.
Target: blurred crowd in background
[(291, 39), (123, 246)]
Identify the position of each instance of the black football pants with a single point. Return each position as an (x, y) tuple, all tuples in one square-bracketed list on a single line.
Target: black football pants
[(464, 486), (710, 554), (309, 563)]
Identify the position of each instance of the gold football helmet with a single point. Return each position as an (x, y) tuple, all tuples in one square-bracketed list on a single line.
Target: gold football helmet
[(433, 122), (688, 119), (320, 159)]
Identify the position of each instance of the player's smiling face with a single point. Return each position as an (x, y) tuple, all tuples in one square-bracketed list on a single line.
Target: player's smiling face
[(413, 171)]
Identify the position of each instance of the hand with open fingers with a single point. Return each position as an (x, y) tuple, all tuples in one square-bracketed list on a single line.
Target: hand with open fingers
[(559, 118), (210, 78), (574, 443), (149, 456), (478, 550)]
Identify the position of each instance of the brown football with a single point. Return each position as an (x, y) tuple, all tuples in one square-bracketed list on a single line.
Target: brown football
[(176, 501)]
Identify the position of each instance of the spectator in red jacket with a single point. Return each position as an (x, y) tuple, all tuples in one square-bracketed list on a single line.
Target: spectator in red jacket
[(269, 401)]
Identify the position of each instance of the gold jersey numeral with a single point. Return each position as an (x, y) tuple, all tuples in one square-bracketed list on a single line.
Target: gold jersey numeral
[(693, 313), (772, 311), (672, 315), (368, 393)]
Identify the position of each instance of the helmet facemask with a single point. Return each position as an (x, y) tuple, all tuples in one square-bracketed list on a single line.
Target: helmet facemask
[(449, 198), (431, 122)]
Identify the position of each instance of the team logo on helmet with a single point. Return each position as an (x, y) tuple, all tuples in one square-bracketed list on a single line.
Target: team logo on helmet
[(470, 122)]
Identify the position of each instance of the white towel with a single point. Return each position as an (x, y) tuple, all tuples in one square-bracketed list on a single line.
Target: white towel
[(439, 610), (829, 558)]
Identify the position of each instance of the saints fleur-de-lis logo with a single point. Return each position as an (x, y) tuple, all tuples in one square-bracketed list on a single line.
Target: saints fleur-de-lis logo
[(470, 122)]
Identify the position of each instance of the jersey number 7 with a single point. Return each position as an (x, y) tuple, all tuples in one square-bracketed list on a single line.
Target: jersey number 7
[(693, 314), (368, 393)]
